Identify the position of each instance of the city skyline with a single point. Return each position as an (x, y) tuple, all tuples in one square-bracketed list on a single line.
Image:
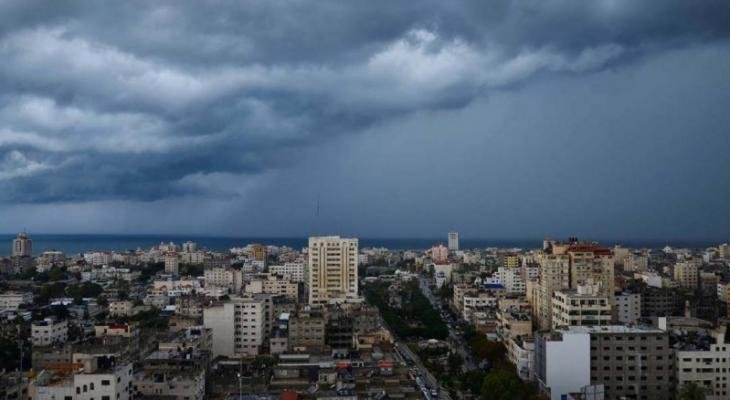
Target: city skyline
[(486, 119)]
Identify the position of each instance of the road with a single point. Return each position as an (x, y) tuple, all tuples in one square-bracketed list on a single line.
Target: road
[(426, 380), (456, 341)]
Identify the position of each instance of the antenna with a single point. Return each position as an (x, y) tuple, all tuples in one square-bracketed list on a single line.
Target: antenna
[(317, 212)]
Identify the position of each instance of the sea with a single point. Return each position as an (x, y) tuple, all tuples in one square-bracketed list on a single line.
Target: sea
[(80, 243)]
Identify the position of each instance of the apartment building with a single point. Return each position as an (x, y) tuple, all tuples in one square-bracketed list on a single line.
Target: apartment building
[(332, 269), (709, 368), (295, 272), (223, 277), (631, 362), (554, 276), (49, 331), (581, 306), (627, 307), (122, 308), (307, 330), (13, 300), (686, 273), (237, 326)]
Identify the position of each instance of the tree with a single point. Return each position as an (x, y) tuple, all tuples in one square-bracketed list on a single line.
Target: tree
[(455, 361), (691, 391), (502, 385)]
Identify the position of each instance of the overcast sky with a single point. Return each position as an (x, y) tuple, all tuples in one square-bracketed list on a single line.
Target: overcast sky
[(501, 119)]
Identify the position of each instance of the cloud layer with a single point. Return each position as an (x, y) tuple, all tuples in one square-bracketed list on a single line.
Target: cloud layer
[(147, 101)]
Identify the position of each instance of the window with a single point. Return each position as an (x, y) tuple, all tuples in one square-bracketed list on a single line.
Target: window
[(105, 382)]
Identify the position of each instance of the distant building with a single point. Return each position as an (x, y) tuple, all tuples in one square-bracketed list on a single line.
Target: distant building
[(22, 245), (439, 253), (296, 272), (454, 241), (332, 269), (686, 273), (172, 263)]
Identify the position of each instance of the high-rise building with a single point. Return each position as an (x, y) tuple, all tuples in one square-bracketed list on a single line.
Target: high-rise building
[(332, 269), (189, 247), (569, 265), (172, 263), (439, 253), (686, 274), (22, 245), (238, 326), (453, 241)]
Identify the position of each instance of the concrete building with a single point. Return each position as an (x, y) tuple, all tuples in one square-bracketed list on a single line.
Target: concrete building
[(22, 245), (708, 368), (521, 353), (630, 362), (439, 253), (562, 362), (295, 272), (237, 326), (223, 277), (102, 378), (686, 273), (13, 300), (453, 241), (172, 263), (49, 331), (628, 307), (511, 279), (579, 307), (332, 269), (122, 308), (554, 276), (307, 330)]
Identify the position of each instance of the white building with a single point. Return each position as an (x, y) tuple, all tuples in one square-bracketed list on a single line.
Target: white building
[(49, 331), (237, 326), (97, 258), (579, 307), (521, 353), (628, 308), (93, 383), (189, 247), (171, 384), (511, 279), (295, 272), (476, 302), (562, 362), (13, 300), (709, 369), (453, 241), (332, 269)]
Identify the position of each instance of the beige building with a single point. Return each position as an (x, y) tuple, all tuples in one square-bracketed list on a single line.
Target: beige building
[(268, 283), (13, 300), (307, 331), (172, 263), (221, 277), (709, 369), (237, 326), (583, 306), (121, 308), (686, 274), (554, 276), (332, 269)]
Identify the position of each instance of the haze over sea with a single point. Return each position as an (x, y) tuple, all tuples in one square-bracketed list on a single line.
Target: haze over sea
[(79, 243)]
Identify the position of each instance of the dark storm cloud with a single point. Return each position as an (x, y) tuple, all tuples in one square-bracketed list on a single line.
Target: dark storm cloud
[(149, 100)]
